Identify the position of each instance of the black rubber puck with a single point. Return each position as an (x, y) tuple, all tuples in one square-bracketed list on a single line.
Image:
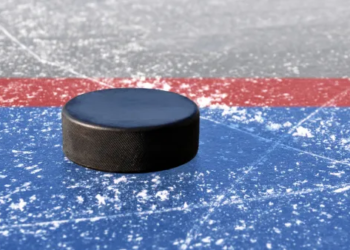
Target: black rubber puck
[(130, 130)]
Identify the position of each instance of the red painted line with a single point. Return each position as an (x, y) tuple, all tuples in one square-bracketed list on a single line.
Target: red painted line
[(288, 92)]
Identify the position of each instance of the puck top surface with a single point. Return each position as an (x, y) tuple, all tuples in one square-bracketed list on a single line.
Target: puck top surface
[(130, 108)]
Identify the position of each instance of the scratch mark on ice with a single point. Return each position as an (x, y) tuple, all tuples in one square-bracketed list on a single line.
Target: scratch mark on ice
[(341, 190)]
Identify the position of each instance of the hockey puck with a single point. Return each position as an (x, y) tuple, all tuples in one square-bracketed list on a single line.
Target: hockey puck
[(130, 130)]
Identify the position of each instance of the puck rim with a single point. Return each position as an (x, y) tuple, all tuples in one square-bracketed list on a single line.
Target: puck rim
[(182, 122)]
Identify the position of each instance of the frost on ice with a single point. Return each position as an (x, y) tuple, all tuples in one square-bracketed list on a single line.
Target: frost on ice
[(303, 132), (163, 195), (18, 206)]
